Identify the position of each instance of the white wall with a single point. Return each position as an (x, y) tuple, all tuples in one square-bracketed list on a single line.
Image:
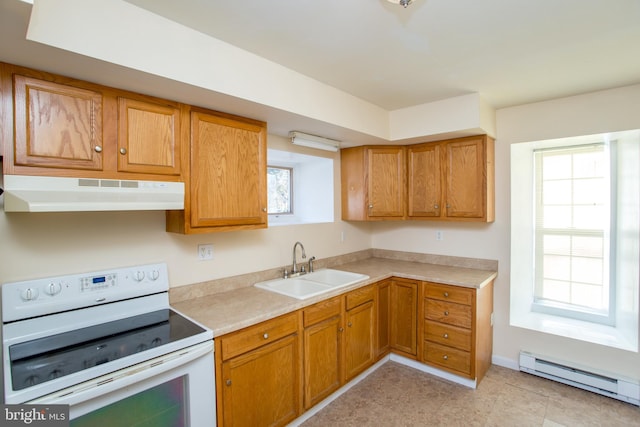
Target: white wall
[(45, 244), (611, 110)]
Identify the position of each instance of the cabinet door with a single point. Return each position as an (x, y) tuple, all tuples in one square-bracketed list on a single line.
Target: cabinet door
[(424, 180), (404, 308), (383, 306), (322, 360), (359, 339), (385, 182), (466, 179), (260, 388), (57, 126), (228, 172), (148, 137)]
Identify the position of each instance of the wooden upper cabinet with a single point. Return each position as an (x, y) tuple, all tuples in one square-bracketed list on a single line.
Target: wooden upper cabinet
[(424, 180), (452, 180), (56, 125), (148, 137), (227, 180), (373, 183)]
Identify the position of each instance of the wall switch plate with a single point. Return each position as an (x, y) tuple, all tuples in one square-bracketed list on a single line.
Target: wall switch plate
[(205, 252), (439, 235)]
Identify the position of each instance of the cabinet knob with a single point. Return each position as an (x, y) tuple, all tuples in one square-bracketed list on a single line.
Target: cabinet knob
[(446, 313), (123, 151), (445, 357), (448, 205), (228, 382), (265, 336), (370, 206), (341, 329), (446, 294), (349, 324), (446, 335), (97, 149), (264, 209)]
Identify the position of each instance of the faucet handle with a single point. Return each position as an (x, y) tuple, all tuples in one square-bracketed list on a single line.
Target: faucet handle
[(286, 273)]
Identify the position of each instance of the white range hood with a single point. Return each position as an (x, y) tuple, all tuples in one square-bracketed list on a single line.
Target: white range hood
[(54, 194)]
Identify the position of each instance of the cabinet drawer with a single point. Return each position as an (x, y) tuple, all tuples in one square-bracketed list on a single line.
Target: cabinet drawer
[(359, 296), (321, 311), (447, 335), (455, 294), (449, 313), (253, 337), (447, 357)]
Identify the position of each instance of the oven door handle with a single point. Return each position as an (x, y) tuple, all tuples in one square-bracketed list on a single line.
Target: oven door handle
[(127, 376)]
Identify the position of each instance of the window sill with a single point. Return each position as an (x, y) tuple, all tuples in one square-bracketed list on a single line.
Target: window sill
[(610, 336)]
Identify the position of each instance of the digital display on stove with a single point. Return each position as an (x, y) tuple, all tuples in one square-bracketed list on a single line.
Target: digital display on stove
[(100, 279)]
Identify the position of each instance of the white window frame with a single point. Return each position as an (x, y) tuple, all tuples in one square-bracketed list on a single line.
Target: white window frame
[(608, 232), (624, 333)]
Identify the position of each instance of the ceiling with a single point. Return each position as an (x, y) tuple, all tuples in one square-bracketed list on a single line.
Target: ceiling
[(510, 51)]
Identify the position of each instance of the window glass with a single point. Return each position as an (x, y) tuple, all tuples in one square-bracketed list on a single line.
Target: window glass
[(280, 189)]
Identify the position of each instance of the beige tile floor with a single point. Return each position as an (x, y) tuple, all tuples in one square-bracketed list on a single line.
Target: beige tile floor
[(397, 395)]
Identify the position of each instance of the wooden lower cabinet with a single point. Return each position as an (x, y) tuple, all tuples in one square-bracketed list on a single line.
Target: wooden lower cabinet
[(258, 374), (322, 359), (457, 329), (359, 331), (383, 342), (269, 373), (404, 314)]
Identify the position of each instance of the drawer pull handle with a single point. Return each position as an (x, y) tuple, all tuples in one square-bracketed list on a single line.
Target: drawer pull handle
[(228, 382), (446, 335), (265, 336), (446, 294), (446, 313), (445, 357)]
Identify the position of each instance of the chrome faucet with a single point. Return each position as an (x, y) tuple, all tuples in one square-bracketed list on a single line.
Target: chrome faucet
[(294, 268)]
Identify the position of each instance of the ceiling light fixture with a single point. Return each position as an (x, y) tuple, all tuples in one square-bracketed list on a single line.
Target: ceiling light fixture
[(313, 141), (403, 3)]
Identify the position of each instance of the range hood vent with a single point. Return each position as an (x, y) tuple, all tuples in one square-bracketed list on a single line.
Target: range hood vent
[(54, 194)]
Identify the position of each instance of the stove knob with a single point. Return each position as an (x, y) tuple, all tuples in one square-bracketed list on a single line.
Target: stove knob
[(156, 342), (57, 373), (29, 294), (53, 288), (138, 276), (31, 380), (153, 275), (141, 347)]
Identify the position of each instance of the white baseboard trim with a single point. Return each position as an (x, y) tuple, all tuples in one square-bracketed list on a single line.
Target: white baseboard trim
[(319, 406), (433, 371), (505, 363)]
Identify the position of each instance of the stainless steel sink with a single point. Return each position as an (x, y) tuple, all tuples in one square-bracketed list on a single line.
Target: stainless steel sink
[(312, 284)]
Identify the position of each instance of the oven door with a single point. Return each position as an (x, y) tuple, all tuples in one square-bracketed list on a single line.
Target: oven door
[(177, 389)]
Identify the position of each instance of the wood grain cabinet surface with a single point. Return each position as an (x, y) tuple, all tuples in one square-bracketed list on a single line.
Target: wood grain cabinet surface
[(58, 126), (457, 329), (323, 350), (452, 180), (373, 183), (404, 316), (259, 374), (227, 177)]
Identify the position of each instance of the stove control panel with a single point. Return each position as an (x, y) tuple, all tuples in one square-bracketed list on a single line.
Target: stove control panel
[(30, 298)]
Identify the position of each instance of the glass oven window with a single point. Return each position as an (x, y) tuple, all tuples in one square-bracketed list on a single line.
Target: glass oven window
[(164, 405)]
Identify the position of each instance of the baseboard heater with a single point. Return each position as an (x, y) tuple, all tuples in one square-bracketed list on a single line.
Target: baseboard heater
[(610, 386)]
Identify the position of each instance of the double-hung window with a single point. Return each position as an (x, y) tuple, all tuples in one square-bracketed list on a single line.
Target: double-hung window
[(575, 237), (573, 213)]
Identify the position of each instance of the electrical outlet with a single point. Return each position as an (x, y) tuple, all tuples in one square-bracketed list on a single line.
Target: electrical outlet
[(439, 235), (205, 252)]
